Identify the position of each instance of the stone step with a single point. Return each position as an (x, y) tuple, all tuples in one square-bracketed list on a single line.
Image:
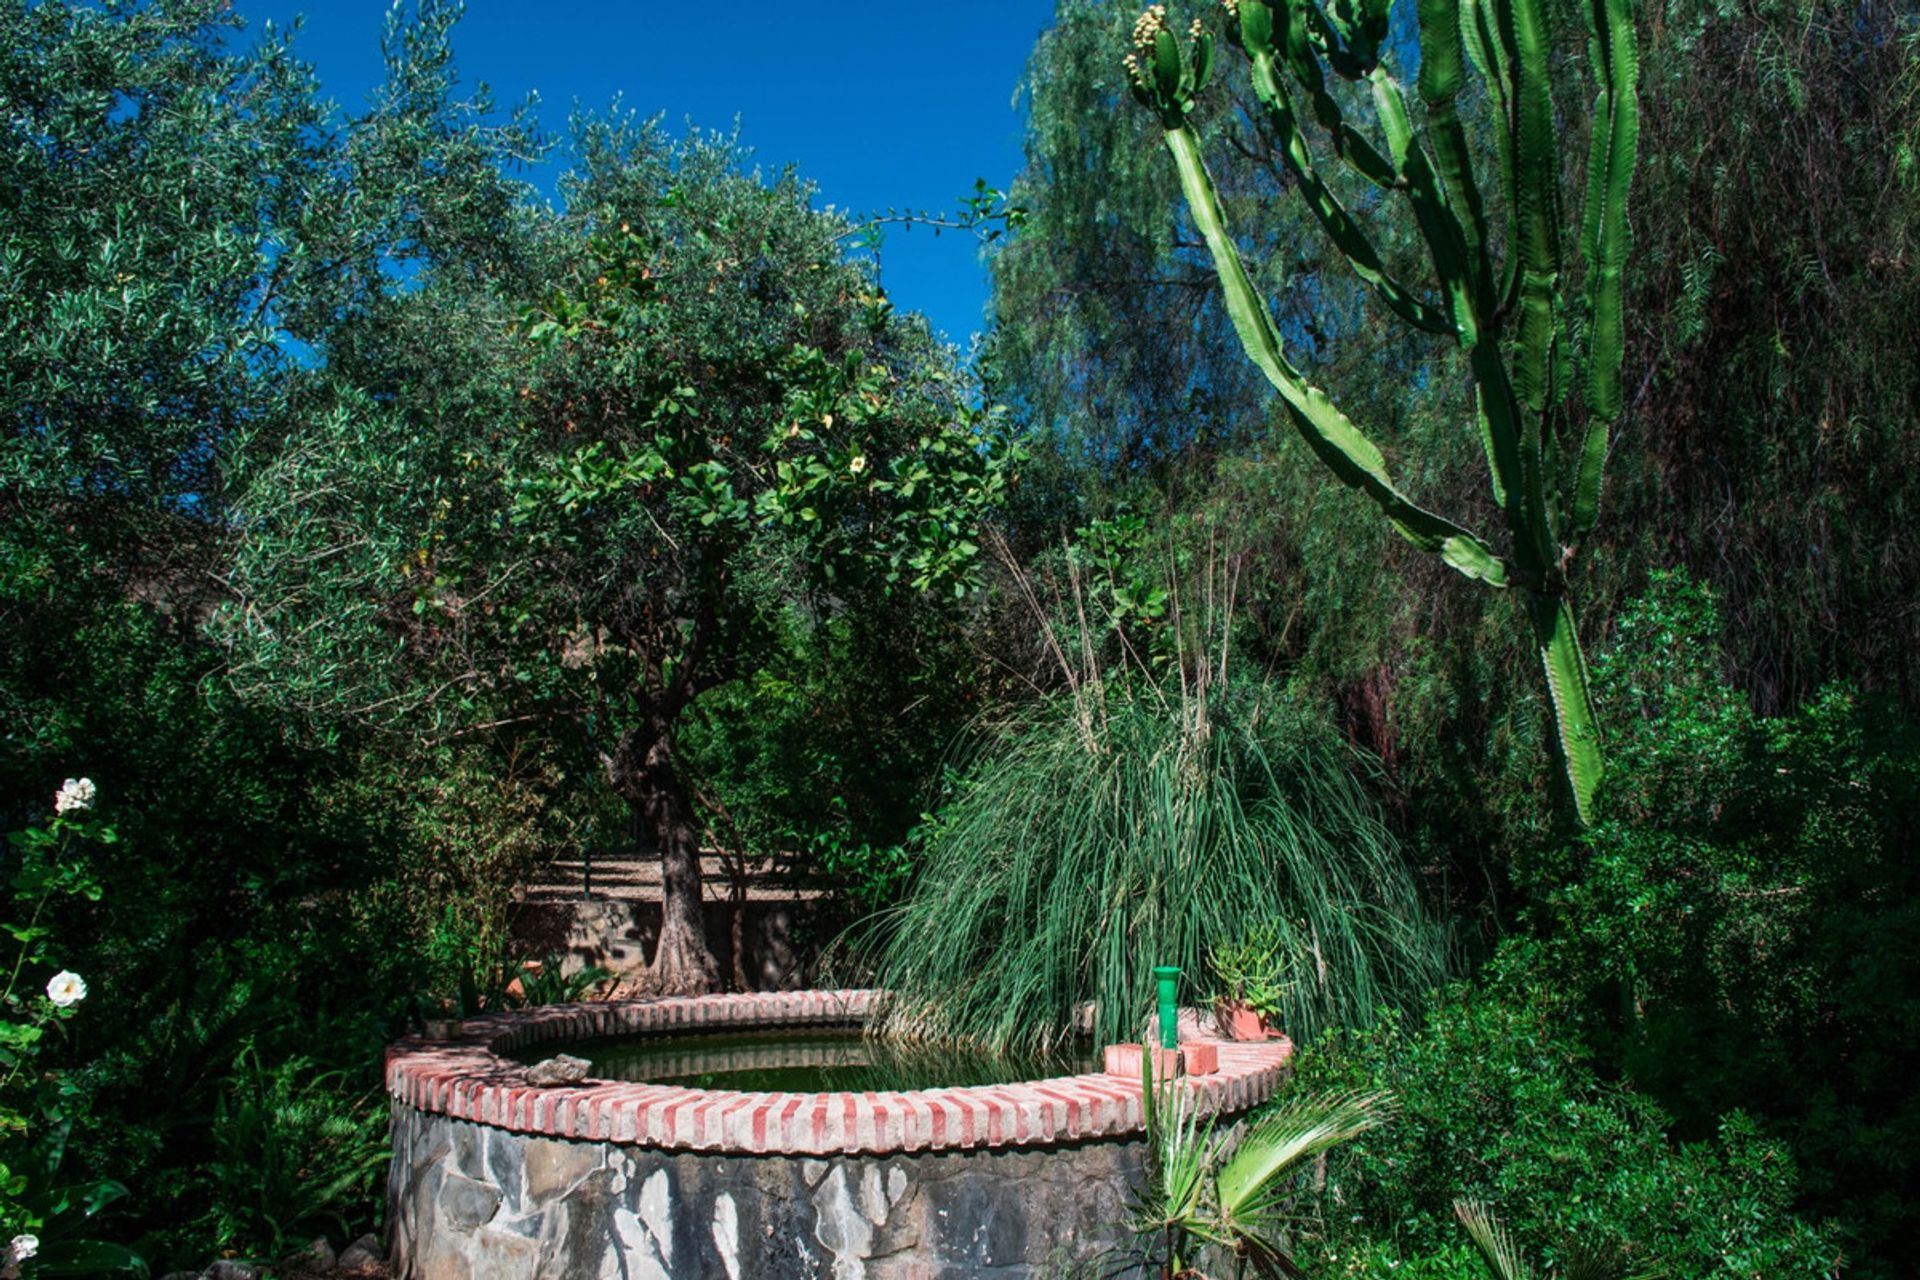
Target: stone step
[(637, 877)]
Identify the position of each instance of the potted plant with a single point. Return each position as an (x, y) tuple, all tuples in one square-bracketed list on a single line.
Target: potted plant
[(1251, 973)]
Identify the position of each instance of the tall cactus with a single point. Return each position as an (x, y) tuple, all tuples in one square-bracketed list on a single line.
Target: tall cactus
[(1497, 264)]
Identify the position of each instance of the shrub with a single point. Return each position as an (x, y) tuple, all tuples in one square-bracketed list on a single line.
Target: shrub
[(1744, 921), (296, 1152), (1500, 1102)]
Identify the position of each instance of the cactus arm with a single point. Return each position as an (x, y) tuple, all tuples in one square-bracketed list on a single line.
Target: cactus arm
[(1284, 28), (1364, 158), (1278, 30), (1442, 75), (1440, 79), (1446, 242), (1375, 25), (1292, 39), (1577, 730), (1616, 130), (1586, 485), (1336, 37), (1499, 463), (1536, 187), (1489, 45), (1510, 427), (1330, 434), (1332, 215), (1361, 28), (1491, 54), (1516, 476)]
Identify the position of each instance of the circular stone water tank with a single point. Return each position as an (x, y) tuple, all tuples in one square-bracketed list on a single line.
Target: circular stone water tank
[(492, 1178)]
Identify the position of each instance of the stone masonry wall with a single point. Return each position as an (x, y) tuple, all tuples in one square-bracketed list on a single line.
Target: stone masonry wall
[(474, 1202), (496, 1178)]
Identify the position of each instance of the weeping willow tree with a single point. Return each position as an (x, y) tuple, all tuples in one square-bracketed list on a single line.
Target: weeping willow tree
[(1498, 282), (1123, 825)]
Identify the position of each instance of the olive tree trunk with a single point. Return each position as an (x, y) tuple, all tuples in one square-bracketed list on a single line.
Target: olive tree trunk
[(642, 771)]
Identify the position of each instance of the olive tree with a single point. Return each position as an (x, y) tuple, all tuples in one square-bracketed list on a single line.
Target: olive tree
[(593, 487)]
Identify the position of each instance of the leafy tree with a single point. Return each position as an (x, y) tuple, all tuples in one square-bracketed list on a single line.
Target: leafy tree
[(701, 423), (185, 228)]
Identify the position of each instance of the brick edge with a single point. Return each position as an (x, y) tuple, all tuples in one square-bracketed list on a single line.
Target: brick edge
[(468, 1079)]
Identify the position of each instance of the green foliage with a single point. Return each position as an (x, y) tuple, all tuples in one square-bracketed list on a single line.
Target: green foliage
[(187, 234), (38, 1105), (548, 983), (1499, 1103), (291, 1145), (472, 821), (1211, 1196), (1743, 917), (1255, 970), (1122, 827)]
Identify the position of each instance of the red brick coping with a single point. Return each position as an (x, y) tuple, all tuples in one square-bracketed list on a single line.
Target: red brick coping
[(467, 1079)]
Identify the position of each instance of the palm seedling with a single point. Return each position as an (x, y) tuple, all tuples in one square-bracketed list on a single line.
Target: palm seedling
[(1211, 1197), (1500, 272), (1505, 1261)]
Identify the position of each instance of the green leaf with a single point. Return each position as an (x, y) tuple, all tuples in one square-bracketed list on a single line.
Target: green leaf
[(88, 1258), (1281, 1139), (1495, 1243)]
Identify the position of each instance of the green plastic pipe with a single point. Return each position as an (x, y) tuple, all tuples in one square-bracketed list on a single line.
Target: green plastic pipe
[(1166, 978)]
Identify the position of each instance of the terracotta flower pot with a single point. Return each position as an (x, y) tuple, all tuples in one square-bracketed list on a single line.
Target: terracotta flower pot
[(1238, 1022)]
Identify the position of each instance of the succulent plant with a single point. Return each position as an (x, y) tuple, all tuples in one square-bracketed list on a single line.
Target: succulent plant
[(1498, 291)]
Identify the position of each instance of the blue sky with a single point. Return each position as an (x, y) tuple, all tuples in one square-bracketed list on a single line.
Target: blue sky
[(899, 104)]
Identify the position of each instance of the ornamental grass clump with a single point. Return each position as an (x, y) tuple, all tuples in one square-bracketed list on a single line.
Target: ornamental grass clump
[(1123, 826)]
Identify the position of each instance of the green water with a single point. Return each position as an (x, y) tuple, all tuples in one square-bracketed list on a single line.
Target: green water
[(802, 1060)]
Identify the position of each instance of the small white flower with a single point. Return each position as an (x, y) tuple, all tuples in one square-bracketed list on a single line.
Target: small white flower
[(66, 987), (858, 464), (24, 1247), (74, 793)]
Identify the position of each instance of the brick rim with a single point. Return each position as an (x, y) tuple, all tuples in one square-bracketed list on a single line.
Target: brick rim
[(468, 1079)]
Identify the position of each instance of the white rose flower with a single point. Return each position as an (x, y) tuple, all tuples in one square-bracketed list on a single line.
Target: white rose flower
[(858, 464), (66, 987), (24, 1247), (74, 793)]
